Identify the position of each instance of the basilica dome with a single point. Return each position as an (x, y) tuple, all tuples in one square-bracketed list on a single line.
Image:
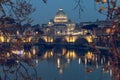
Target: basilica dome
[(60, 17)]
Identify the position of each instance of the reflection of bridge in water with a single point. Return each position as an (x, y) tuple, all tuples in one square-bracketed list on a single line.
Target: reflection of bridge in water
[(63, 39), (60, 58)]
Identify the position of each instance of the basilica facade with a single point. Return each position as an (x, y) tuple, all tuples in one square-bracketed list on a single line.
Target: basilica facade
[(60, 25)]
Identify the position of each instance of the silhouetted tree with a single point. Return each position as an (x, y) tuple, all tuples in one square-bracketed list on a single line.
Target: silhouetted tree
[(18, 10)]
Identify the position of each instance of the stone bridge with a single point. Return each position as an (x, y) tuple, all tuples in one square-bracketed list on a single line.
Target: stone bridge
[(63, 39), (51, 39)]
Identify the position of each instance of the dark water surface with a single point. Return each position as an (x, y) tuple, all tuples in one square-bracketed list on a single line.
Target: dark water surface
[(40, 63)]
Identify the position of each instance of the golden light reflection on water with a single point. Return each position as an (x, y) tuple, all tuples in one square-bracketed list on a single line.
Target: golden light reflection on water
[(64, 57), (61, 71), (71, 55), (48, 54), (22, 53), (64, 51), (58, 63), (89, 55), (67, 54), (79, 60)]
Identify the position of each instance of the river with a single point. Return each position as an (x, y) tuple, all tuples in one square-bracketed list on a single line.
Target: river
[(56, 63)]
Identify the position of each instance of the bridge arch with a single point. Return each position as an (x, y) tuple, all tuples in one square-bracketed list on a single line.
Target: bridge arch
[(48, 39), (81, 42), (60, 40), (71, 39), (41, 41)]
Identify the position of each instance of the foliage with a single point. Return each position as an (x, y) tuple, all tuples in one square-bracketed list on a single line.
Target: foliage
[(45, 1), (18, 10)]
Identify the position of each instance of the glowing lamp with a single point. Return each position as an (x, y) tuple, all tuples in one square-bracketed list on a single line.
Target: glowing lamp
[(103, 1)]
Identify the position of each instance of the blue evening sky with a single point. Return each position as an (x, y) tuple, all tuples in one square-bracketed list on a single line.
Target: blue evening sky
[(45, 12)]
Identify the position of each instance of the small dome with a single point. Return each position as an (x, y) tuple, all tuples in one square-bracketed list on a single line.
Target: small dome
[(60, 16)]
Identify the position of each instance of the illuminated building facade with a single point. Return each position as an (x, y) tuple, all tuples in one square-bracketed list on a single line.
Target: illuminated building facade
[(60, 17), (61, 25)]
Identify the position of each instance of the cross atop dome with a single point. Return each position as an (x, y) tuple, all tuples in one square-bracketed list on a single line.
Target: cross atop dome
[(60, 9)]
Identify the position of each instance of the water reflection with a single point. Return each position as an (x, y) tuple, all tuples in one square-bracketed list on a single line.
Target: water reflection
[(40, 63)]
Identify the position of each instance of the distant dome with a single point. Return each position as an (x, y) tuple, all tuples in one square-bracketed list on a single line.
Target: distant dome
[(60, 16)]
